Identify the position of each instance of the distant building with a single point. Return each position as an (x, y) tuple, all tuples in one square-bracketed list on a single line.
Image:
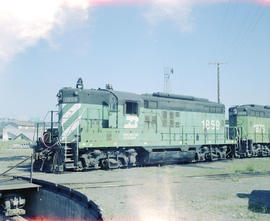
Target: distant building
[(21, 132)]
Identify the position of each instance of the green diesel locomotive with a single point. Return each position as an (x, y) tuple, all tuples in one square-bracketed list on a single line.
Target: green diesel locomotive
[(250, 125), (103, 128)]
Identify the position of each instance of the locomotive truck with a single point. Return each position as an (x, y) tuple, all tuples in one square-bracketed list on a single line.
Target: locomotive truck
[(106, 129)]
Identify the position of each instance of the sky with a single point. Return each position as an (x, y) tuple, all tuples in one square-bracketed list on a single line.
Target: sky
[(47, 45)]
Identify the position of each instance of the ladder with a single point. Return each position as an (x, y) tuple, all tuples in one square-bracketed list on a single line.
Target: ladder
[(69, 159)]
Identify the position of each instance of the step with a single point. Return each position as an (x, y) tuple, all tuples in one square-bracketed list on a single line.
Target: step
[(69, 165)]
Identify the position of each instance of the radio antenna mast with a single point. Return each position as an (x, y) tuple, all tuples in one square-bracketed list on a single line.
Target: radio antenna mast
[(168, 71)]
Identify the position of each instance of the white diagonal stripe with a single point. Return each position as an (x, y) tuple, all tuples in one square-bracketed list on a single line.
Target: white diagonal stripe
[(71, 128), (70, 112)]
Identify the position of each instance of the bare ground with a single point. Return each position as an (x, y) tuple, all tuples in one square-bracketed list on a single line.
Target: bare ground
[(206, 191)]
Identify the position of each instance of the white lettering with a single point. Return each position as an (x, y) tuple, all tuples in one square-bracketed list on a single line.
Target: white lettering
[(130, 136), (213, 124), (259, 128), (132, 122)]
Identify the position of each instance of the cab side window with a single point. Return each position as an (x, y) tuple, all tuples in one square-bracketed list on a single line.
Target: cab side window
[(131, 107)]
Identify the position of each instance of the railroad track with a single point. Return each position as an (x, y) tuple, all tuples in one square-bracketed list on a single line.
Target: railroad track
[(230, 175), (123, 183)]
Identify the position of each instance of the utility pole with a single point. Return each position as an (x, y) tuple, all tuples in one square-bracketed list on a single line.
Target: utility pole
[(218, 78)]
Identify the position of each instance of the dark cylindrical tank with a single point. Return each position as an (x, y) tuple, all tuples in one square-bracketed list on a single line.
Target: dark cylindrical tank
[(50, 201)]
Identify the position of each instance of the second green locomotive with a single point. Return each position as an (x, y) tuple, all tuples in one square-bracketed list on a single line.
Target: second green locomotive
[(250, 127)]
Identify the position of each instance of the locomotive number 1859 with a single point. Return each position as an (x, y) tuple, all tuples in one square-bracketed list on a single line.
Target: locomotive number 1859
[(211, 124)]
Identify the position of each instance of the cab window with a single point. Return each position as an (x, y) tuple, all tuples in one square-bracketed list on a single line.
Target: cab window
[(131, 107)]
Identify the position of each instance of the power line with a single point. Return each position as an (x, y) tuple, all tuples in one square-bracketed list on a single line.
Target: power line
[(243, 37), (241, 33), (218, 78)]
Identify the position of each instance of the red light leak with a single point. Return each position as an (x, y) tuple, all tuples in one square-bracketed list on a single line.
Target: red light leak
[(42, 218), (134, 2), (117, 2), (264, 2), (97, 3)]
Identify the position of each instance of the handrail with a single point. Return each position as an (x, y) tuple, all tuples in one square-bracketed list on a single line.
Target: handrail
[(15, 166), (117, 103)]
